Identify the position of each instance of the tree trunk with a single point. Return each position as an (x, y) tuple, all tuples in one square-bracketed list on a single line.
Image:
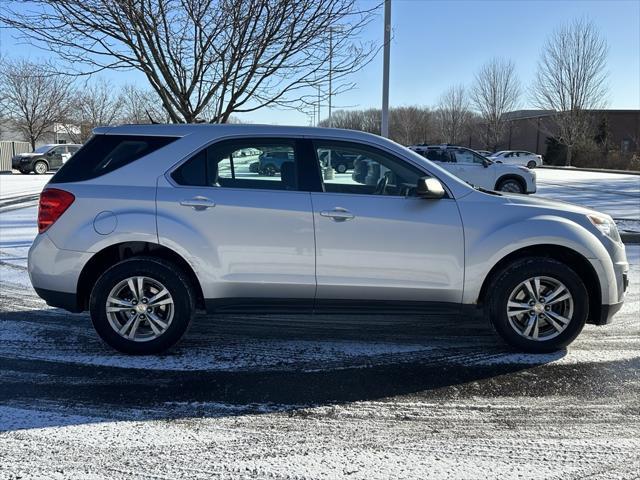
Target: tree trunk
[(567, 160), (33, 143)]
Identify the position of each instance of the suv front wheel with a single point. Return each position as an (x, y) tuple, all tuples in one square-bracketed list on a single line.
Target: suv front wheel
[(142, 305), (538, 304), (40, 167), (510, 185)]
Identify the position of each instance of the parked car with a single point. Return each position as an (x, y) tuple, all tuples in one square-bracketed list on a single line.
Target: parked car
[(517, 157), (485, 153), (147, 223), (478, 170), (340, 161), (270, 162), (44, 158)]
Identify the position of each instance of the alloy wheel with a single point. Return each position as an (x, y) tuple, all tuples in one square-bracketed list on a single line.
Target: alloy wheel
[(139, 309), (511, 186), (540, 308), (41, 168)]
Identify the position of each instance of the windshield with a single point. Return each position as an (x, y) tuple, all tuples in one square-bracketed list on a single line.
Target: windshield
[(43, 149)]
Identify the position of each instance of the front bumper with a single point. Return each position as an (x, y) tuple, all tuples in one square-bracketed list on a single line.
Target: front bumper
[(607, 312)]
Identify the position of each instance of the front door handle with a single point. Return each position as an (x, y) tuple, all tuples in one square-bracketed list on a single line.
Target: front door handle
[(338, 214), (198, 203)]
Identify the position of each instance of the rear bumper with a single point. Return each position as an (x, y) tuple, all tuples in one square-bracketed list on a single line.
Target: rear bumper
[(54, 272), (68, 301)]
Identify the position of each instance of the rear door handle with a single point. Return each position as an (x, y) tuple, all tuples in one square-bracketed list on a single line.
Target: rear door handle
[(338, 214), (198, 203)]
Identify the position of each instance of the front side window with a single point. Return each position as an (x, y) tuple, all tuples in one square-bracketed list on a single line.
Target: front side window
[(260, 164), (58, 151), (370, 171), (463, 155), (438, 155)]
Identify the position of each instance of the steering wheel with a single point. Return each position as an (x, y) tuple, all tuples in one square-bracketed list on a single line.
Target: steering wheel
[(381, 187)]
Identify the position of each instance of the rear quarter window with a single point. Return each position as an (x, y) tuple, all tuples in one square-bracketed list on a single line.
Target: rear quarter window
[(105, 153)]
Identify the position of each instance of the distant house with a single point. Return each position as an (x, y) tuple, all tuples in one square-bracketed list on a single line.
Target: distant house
[(59, 133)]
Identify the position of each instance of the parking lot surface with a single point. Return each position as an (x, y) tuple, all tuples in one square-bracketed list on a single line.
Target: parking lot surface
[(361, 397)]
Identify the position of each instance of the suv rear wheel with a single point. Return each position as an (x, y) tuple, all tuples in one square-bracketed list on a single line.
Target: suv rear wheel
[(510, 185), (142, 305), (538, 304)]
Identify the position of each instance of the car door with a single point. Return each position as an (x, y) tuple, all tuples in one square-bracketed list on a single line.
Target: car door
[(376, 242), (472, 168), (249, 236), (54, 156)]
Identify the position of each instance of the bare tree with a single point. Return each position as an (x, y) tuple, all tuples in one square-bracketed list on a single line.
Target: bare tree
[(35, 100), (141, 106), (410, 125), (453, 114), (572, 79), (228, 56), (495, 91), (97, 104), (407, 125), (349, 119)]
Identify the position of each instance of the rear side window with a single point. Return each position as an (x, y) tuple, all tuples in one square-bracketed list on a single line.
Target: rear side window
[(106, 153)]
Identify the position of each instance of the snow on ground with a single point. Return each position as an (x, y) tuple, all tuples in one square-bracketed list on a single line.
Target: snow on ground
[(615, 194), (19, 185), (291, 397)]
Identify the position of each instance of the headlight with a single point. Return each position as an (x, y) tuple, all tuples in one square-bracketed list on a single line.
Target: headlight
[(606, 225)]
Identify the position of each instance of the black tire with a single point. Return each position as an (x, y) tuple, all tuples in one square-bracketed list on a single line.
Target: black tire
[(531, 165), (171, 277), (510, 185), (504, 283), (341, 168), (270, 170), (40, 167)]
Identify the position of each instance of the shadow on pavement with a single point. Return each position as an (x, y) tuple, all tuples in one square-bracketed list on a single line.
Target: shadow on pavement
[(53, 362)]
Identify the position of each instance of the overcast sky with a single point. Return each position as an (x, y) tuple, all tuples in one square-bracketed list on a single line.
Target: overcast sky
[(440, 43)]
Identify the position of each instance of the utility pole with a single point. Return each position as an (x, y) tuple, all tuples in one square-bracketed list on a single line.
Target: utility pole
[(330, 71), (319, 118), (385, 69)]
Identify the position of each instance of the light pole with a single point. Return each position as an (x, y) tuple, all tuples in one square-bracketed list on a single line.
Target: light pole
[(330, 71), (319, 118), (385, 70)]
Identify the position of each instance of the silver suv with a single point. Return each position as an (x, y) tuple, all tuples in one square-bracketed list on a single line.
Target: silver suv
[(146, 224)]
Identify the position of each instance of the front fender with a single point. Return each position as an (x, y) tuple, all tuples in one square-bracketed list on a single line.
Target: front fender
[(484, 251)]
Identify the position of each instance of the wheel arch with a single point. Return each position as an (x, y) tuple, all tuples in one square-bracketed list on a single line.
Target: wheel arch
[(565, 255), (511, 176), (39, 159), (117, 252)]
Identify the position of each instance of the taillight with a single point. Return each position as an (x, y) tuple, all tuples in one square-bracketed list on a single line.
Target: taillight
[(53, 203)]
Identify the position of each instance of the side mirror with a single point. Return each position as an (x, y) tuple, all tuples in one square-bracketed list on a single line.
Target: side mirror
[(429, 187)]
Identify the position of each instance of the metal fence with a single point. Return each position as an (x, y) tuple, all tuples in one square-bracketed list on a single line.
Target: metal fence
[(8, 150)]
